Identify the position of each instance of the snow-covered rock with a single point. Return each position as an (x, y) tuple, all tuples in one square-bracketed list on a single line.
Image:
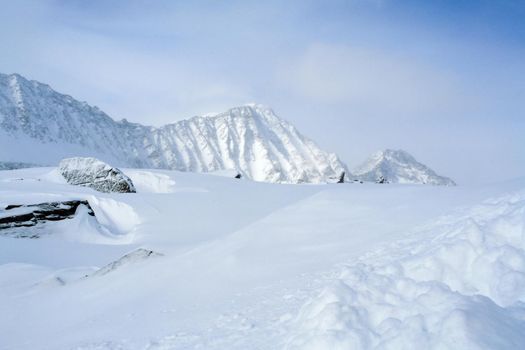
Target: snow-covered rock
[(398, 166), (91, 172), (38, 124), (135, 256)]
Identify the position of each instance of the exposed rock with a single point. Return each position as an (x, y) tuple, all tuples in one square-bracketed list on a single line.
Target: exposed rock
[(14, 215), (381, 180), (133, 257), (238, 176), (91, 172), (341, 178)]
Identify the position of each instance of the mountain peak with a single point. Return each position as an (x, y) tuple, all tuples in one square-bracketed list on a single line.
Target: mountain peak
[(15, 79), (398, 166), (252, 110)]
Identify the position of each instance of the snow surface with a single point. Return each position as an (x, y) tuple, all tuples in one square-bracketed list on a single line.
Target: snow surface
[(398, 166), (456, 284), (246, 265), (39, 125)]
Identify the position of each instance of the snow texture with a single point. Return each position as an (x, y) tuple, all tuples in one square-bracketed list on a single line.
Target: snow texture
[(397, 166), (91, 172), (119, 217), (40, 125), (458, 284)]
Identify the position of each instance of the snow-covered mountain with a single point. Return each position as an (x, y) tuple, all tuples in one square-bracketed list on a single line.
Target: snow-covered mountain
[(398, 166), (40, 125)]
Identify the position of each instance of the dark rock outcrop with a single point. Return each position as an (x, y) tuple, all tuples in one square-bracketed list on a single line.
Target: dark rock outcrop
[(28, 215), (91, 172), (381, 180)]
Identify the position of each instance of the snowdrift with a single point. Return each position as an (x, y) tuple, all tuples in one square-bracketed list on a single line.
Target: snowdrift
[(459, 284)]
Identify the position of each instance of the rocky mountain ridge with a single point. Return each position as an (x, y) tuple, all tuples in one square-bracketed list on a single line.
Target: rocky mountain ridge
[(39, 125)]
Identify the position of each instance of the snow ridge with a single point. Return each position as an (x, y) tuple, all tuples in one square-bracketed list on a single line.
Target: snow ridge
[(38, 124), (398, 166)]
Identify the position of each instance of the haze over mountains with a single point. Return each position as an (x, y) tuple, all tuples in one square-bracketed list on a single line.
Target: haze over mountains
[(41, 126)]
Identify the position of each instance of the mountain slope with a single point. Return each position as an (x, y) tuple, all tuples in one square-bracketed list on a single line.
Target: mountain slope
[(398, 166), (40, 125)]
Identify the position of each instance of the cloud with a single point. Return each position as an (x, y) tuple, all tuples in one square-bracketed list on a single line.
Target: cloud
[(366, 77), (148, 87)]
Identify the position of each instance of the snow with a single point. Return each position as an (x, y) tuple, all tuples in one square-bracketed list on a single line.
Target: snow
[(247, 265), (458, 284), (118, 217), (150, 181), (41, 126)]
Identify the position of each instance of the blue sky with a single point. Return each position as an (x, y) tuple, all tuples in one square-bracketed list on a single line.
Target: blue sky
[(444, 80)]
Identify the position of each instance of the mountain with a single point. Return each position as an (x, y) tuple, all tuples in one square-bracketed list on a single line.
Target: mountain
[(40, 125), (16, 165), (398, 166)]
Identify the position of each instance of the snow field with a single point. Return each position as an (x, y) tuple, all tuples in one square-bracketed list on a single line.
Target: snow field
[(245, 265)]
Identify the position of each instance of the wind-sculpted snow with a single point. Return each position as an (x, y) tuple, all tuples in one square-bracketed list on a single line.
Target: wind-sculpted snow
[(151, 182), (40, 125), (457, 285), (397, 166), (118, 217), (91, 172)]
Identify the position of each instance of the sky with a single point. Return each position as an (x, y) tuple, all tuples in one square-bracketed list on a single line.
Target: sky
[(444, 80)]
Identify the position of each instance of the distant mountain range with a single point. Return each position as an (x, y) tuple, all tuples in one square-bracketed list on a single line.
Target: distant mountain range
[(397, 166), (41, 126)]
